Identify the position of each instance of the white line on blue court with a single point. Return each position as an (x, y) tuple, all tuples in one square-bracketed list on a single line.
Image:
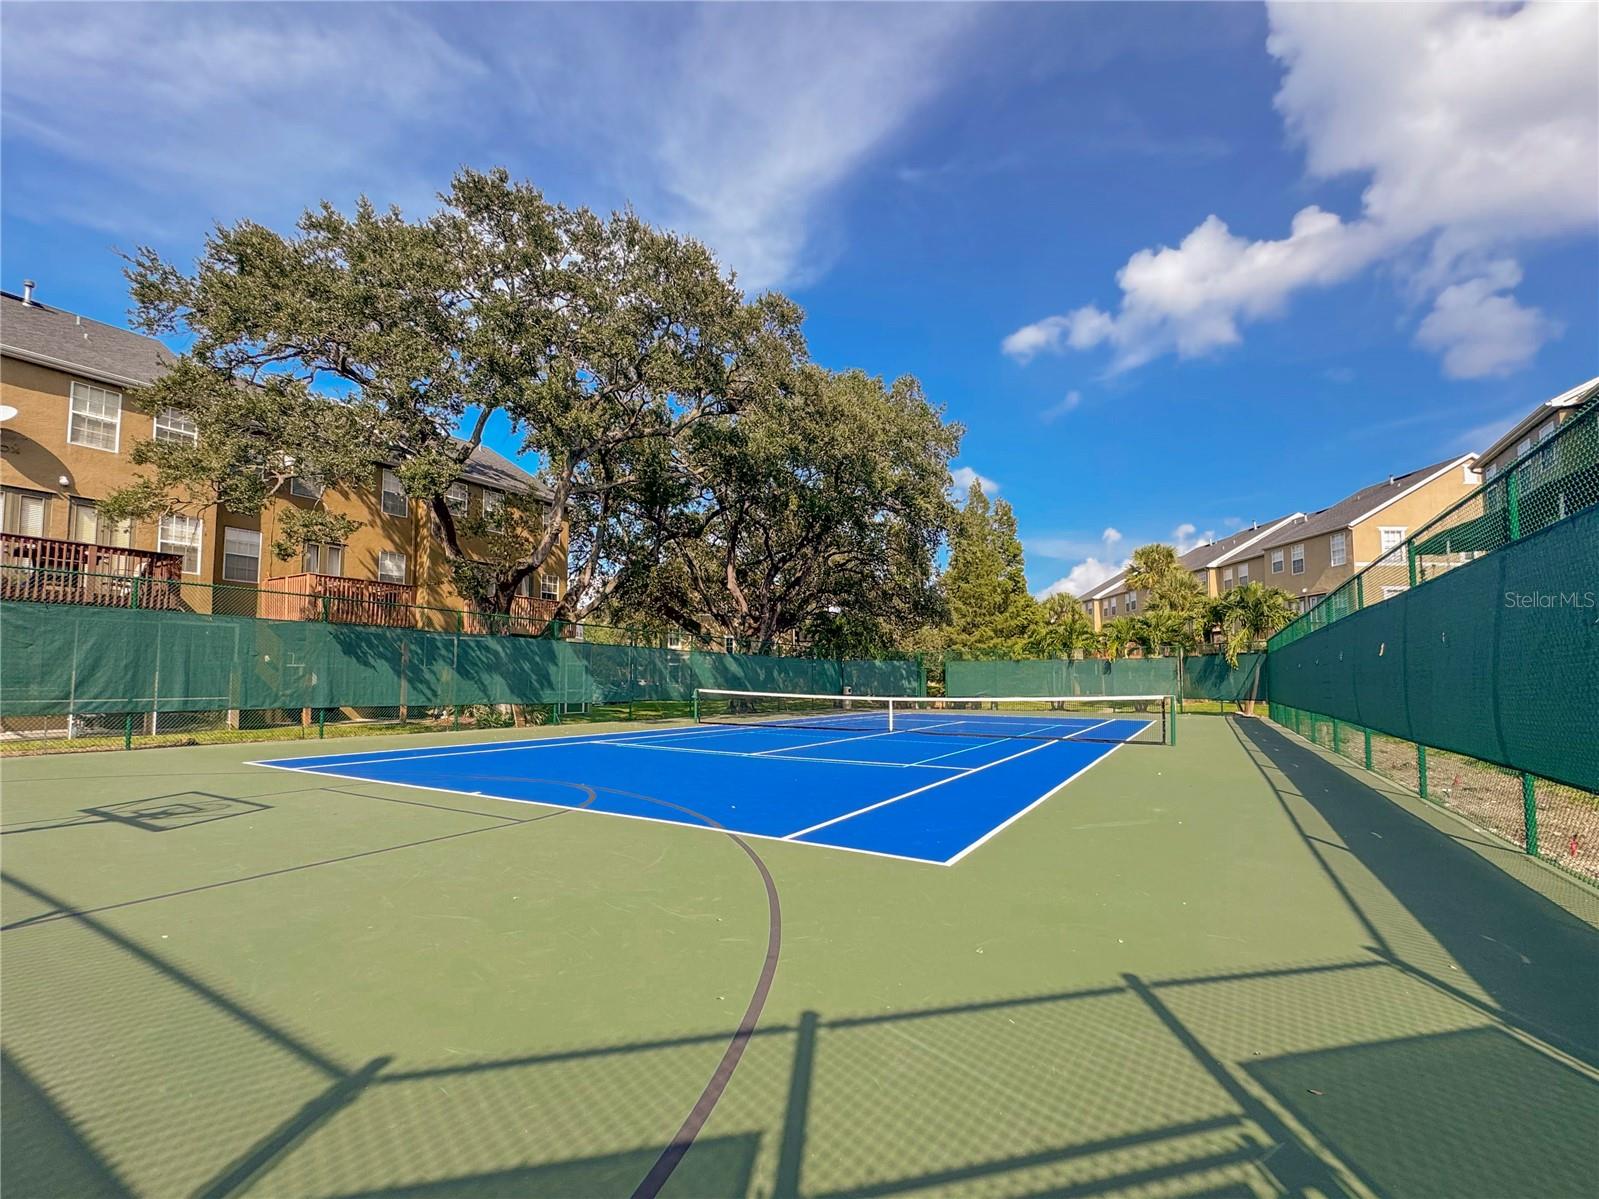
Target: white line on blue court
[(783, 749), (735, 753), (499, 747), (883, 803)]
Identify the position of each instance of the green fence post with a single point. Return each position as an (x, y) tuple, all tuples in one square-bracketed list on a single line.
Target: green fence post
[(1173, 739), (327, 611), (1368, 748), (1360, 591), (921, 666), (455, 721), (696, 705), (1337, 740), (1529, 813), (321, 723), (127, 731), (1513, 502), (1410, 559), (133, 598), (1421, 769)]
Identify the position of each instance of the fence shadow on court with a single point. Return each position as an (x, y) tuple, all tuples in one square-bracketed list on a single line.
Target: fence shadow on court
[(128, 1073), (1526, 958)]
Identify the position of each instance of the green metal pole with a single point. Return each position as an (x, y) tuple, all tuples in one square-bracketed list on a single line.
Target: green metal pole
[(1421, 769), (1337, 740), (1174, 720), (321, 723), (1360, 591), (1368, 748), (127, 731), (1529, 811), (455, 721), (133, 600), (696, 705), (1513, 503), (1410, 556)]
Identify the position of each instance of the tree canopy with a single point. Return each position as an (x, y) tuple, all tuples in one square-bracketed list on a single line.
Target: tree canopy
[(991, 611), (708, 474)]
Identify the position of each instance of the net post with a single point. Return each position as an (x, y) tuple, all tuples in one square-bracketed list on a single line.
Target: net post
[(696, 705), (891, 714), (1529, 813), (1171, 716), (1421, 769)]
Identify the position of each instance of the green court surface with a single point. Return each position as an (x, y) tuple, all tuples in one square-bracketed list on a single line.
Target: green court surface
[(1225, 967)]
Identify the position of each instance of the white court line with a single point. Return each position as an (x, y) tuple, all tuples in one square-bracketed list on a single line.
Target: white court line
[(963, 749), (783, 749), (734, 753), (400, 755), (882, 803), (704, 828), (1004, 824)]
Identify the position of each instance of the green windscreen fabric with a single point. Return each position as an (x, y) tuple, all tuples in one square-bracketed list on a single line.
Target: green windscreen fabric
[(1207, 676), (1497, 659), (79, 659), (1046, 676)]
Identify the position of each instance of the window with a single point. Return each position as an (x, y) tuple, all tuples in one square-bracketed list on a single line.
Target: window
[(1523, 446), (241, 556), (1113, 607), (676, 640), (84, 523), (181, 535), (393, 496), (1307, 602), (1132, 602), (1491, 473), (27, 513), (1276, 562), (1243, 573), (324, 559), (1227, 578), (1297, 559), (1338, 548), (172, 425), (549, 587), (391, 567), (305, 488), (493, 501), (94, 417), (1392, 536), (524, 586), (456, 498)]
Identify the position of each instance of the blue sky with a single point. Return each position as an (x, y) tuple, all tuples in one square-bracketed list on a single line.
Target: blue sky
[(1175, 267)]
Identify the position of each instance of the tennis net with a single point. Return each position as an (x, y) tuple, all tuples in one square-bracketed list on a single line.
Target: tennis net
[(1144, 719)]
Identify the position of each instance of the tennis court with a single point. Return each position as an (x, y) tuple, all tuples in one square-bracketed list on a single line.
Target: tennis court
[(930, 781)]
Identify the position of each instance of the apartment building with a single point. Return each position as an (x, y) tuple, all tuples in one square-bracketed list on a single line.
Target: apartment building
[(1537, 427), (1218, 566), (70, 442), (1312, 554)]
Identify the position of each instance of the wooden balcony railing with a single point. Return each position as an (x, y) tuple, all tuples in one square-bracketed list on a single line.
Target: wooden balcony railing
[(45, 570), (338, 599), (528, 617)]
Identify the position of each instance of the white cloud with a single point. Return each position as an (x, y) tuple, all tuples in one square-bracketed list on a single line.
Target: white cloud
[(1481, 331), (1085, 576), (735, 124), (965, 476), (1061, 408), (1478, 129), (1111, 536), (1187, 536)]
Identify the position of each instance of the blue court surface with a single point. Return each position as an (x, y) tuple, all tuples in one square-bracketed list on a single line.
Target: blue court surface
[(899, 794)]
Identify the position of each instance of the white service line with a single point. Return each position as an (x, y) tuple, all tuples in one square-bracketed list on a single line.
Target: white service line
[(783, 749), (734, 753), (1089, 729), (963, 749), (883, 803), (400, 755)]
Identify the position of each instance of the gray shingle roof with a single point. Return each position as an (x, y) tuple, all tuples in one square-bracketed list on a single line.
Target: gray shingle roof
[(36, 332), (1356, 505), (54, 337)]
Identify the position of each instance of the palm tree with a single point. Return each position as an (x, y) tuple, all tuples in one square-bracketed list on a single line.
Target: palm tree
[(1118, 635), (1248, 615)]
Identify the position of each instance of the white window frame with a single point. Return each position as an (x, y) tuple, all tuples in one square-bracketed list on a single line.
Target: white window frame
[(318, 553), (1132, 602), (304, 489), (493, 501), (231, 539), (12, 505), (1338, 548), (549, 586), (119, 536), (1296, 559), (1226, 578), (1386, 552), (1243, 573), (385, 566), (167, 543), (89, 392), (173, 425), (396, 493), (457, 498), (1276, 562)]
